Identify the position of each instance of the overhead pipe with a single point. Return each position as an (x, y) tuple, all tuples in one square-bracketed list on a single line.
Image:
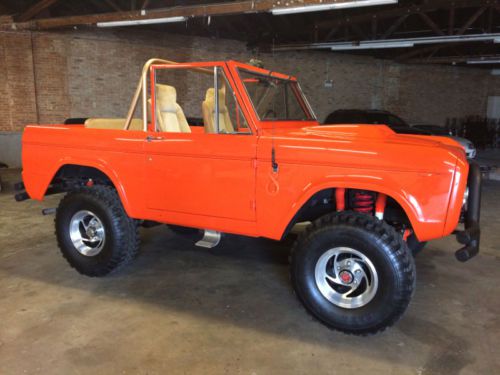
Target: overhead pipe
[(390, 43)]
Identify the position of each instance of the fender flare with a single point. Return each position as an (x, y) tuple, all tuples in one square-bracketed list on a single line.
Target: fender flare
[(412, 211), (39, 190)]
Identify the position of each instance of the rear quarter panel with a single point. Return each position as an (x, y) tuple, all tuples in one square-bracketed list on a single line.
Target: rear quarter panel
[(117, 153)]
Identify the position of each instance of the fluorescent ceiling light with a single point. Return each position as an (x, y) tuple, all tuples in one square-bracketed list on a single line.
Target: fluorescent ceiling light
[(322, 7), (497, 40), (484, 61), (373, 46), (148, 21), (410, 42)]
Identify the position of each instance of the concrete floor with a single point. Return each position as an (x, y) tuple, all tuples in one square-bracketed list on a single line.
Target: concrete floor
[(180, 309)]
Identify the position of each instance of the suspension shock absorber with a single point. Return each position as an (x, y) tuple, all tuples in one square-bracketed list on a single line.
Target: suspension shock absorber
[(363, 202), (340, 199), (380, 206)]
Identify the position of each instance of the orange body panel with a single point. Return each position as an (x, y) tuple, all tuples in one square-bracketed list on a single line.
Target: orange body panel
[(225, 182)]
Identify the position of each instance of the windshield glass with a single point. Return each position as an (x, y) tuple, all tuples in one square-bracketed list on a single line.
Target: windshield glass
[(275, 99)]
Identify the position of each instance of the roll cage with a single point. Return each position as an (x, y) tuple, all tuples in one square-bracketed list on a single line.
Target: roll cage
[(231, 70)]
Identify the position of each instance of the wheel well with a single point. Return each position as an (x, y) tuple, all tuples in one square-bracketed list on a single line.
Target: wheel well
[(323, 202), (71, 175)]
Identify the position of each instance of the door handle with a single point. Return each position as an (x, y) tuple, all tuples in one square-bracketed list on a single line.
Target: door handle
[(151, 138)]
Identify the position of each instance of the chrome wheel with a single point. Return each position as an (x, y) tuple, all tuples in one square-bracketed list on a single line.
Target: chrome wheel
[(87, 233), (346, 277)]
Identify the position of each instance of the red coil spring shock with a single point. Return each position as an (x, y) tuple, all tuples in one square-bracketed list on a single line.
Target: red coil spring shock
[(363, 202)]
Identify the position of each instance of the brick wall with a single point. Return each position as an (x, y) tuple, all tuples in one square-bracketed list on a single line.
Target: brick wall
[(17, 88), (48, 77)]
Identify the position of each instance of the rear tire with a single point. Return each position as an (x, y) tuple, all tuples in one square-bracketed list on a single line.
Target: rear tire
[(353, 272), (93, 231)]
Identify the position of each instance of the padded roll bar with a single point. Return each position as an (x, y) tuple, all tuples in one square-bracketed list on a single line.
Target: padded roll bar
[(142, 86)]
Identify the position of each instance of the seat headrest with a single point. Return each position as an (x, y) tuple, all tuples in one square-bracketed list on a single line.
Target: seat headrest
[(166, 98), (210, 96)]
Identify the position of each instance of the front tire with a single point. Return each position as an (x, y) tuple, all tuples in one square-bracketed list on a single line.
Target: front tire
[(93, 231), (353, 272), (415, 245)]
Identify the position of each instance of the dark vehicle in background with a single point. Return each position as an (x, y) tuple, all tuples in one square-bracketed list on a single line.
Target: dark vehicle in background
[(380, 117), (372, 116), (470, 149)]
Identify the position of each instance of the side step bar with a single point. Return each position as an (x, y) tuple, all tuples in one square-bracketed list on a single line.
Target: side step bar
[(49, 211), (211, 238)]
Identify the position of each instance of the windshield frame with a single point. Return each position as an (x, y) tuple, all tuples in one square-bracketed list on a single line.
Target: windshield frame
[(295, 87)]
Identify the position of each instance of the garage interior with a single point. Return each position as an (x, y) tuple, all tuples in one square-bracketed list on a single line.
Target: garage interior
[(179, 308)]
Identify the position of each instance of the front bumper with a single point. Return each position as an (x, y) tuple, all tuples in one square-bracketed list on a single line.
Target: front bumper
[(471, 153), (471, 235)]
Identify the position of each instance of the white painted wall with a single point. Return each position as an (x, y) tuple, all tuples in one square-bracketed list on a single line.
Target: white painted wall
[(10, 148)]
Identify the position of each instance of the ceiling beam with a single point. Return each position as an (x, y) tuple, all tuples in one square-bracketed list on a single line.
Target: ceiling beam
[(396, 16), (35, 9), (398, 11), (113, 5), (451, 21), (489, 26), (4, 9), (99, 5), (472, 19), (431, 23), (395, 26), (359, 31), (200, 10)]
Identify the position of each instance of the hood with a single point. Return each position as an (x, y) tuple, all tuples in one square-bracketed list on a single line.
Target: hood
[(366, 145), (362, 133)]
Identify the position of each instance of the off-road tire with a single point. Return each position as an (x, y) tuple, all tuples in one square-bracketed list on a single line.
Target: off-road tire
[(122, 236), (414, 245), (376, 240)]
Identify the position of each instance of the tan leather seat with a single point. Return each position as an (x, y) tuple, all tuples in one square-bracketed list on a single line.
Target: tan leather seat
[(113, 123), (170, 116), (208, 109)]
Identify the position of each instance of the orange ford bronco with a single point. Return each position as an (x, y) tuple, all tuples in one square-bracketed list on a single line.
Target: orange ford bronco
[(226, 147)]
